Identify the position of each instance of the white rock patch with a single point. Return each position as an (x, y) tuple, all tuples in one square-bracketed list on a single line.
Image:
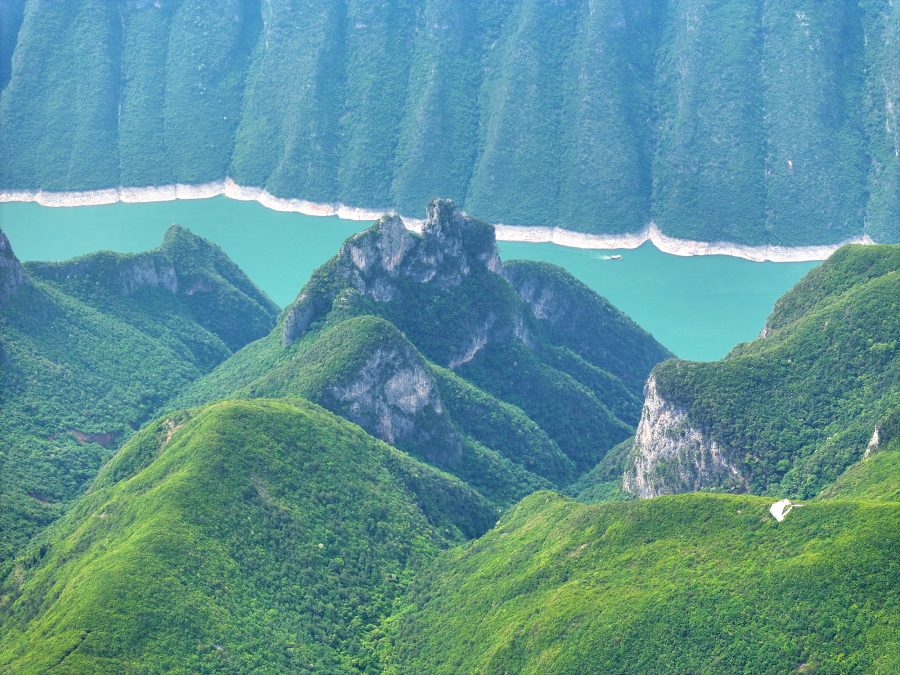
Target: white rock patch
[(780, 509)]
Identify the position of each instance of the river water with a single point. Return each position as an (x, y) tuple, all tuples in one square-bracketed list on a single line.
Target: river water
[(699, 307)]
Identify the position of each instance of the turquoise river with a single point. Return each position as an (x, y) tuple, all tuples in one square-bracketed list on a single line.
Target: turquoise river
[(699, 307)]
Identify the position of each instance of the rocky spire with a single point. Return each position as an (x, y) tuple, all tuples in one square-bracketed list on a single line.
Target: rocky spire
[(378, 261)]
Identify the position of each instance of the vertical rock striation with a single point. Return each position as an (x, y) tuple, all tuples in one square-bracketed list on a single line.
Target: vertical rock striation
[(670, 455)]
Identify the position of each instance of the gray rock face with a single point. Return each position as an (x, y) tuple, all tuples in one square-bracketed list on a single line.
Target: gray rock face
[(12, 274), (394, 396), (671, 456), (449, 249), (147, 272), (544, 301), (378, 262)]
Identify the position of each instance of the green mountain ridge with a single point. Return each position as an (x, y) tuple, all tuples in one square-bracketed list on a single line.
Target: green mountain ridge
[(89, 349), (422, 341), (787, 413), (242, 535), (757, 123), (698, 583)]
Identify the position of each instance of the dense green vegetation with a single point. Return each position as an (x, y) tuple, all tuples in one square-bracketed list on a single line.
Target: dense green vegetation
[(90, 348), (296, 507), (792, 410), (875, 476), (237, 537), (690, 583), (427, 342), (766, 121)]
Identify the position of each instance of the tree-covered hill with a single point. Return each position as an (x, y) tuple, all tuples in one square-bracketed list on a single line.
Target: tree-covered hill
[(244, 536), (771, 121), (694, 583), (512, 378), (90, 348), (296, 507), (787, 413)]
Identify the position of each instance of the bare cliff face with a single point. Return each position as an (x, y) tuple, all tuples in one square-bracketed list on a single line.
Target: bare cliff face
[(383, 260), (671, 456), (394, 397), (12, 274)]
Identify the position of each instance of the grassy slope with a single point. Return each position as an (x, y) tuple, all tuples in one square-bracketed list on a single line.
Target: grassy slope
[(797, 407), (748, 122), (237, 536), (690, 583)]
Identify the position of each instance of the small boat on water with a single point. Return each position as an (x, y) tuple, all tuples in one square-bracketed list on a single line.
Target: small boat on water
[(615, 257)]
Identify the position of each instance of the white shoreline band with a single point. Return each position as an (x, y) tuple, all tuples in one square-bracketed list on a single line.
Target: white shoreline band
[(518, 233)]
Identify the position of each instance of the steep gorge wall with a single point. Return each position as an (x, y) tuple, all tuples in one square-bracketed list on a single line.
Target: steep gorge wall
[(764, 122), (670, 455)]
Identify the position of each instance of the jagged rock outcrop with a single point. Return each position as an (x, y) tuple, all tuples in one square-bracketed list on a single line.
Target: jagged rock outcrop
[(670, 455), (12, 274), (380, 261)]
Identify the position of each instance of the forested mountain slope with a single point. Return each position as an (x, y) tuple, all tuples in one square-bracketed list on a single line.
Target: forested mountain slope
[(787, 413), (242, 536), (90, 348), (688, 583), (772, 121), (512, 378)]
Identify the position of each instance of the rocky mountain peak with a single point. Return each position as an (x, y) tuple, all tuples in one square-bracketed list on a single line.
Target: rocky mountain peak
[(380, 261), (12, 274), (451, 247)]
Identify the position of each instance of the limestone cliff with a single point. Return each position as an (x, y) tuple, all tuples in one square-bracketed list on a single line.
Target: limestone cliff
[(393, 395), (670, 455), (381, 262)]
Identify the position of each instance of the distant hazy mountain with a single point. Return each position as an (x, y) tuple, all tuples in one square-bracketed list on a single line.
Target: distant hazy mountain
[(755, 122)]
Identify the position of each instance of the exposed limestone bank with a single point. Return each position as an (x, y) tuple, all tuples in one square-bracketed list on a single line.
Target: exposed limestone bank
[(521, 233), (671, 456), (165, 193), (670, 245)]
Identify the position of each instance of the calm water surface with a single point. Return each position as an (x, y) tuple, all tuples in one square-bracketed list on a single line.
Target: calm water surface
[(698, 307)]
